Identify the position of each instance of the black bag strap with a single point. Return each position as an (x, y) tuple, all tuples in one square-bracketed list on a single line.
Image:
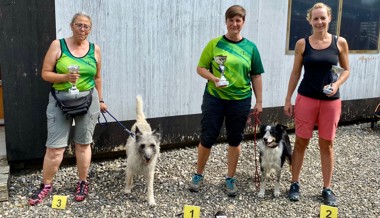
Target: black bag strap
[(59, 102)]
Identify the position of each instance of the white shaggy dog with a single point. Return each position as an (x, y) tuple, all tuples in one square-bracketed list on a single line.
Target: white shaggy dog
[(142, 152)]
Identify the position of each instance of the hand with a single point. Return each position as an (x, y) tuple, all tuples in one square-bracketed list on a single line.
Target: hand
[(288, 109), (333, 88), (103, 107), (72, 77), (258, 108), (215, 80)]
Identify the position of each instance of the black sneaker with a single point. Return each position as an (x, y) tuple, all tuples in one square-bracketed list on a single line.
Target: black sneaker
[(294, 192), (81, 190), (39, 195), (329, 198)]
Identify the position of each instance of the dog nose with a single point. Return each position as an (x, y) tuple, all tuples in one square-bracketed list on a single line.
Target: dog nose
[(265, 139)]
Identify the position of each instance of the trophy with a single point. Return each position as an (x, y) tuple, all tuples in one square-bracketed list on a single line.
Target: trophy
[(222, 80), (335, 72), (73, 69)]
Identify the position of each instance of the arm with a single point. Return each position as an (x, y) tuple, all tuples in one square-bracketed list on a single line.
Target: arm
[(49, 63), (98, 78), (205, 73), (344, 63), (294, 76), (257, 85)]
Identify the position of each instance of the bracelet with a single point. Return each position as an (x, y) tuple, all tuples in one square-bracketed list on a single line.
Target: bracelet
[(101, 101)]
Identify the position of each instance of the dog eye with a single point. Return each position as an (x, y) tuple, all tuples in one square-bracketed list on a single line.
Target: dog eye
[(142, 145), (152, 145)]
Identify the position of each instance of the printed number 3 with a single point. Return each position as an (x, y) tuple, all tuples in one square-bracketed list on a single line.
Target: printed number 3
[(59, 202)]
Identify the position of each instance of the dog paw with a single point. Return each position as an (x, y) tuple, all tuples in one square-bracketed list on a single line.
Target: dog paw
[(261, 194), (276, 194), (152, 203), (127, 190)]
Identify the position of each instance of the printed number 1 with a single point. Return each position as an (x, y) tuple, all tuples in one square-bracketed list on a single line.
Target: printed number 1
[(190, 211)]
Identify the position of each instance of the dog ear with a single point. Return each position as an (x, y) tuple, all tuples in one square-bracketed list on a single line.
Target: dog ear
[(137, 133), (157, 133), (262, 130), (281, 127)]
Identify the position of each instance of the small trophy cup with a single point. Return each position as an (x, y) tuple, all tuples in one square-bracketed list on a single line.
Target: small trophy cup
[(335, 72), (222, 80), (73, 69)]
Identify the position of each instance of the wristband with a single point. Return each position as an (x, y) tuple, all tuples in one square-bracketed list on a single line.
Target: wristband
[(101, 101)]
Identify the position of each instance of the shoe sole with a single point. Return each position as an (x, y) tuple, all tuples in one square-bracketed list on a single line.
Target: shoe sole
[(294, 198)]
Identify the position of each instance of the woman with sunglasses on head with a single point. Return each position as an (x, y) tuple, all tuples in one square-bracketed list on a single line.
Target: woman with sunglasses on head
[(72, 51), (317, 54)]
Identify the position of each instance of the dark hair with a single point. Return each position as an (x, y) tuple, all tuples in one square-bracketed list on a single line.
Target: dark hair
[(235, 10)]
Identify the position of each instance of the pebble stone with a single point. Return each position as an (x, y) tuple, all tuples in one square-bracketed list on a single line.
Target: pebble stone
[(356, 182)]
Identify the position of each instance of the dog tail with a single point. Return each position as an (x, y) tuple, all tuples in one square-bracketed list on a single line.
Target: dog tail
[(140, 116)]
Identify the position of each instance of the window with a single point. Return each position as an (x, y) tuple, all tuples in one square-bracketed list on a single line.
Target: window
[(357, 21)]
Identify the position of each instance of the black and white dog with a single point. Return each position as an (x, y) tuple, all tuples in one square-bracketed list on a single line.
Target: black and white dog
[(274, 150)]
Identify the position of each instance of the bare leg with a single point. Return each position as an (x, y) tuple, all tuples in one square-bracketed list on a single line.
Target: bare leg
[(52, 161), (203, 155), (298, 157), (233, 158), (327, 160), (83, 157)]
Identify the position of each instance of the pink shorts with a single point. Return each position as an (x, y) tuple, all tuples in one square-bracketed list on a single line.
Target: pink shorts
[(309, 112)]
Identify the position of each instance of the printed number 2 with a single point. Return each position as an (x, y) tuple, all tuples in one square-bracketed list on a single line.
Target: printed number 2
[(328, 215), (328, 212)]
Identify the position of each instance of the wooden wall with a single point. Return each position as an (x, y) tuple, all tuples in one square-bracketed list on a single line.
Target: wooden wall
[(150, 48)]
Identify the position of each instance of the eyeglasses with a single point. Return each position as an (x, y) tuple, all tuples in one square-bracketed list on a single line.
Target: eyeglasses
[(79, 26)]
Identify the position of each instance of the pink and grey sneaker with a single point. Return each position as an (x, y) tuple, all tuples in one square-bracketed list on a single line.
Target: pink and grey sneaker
[(40, 194), (82, 190)]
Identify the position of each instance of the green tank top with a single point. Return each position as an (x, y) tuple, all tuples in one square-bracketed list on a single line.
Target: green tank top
[(243, 60), (87, 68)]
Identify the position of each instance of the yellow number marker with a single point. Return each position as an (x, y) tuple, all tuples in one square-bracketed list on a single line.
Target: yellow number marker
[(59, 202), (328, 212), (190, 211)]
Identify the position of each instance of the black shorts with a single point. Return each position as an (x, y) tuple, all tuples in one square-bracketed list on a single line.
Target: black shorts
[(215, 111)]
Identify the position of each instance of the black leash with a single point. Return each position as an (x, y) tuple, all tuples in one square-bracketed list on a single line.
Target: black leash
[(125, 128)]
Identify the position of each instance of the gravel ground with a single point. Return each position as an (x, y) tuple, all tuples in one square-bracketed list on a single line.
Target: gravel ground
[(356, 183)]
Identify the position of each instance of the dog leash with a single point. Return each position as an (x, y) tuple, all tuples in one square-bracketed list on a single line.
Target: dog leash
[(106, 122), (257, 122)]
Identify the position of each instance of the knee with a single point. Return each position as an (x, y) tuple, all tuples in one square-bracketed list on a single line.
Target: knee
[(82, 147), (54, 153)]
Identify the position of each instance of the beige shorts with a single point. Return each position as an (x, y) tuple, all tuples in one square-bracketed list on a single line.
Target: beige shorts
[(59, 126)]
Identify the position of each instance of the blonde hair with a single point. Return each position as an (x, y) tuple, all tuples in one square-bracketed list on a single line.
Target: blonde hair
[(82, 13), (317, 6), (235, 10)]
